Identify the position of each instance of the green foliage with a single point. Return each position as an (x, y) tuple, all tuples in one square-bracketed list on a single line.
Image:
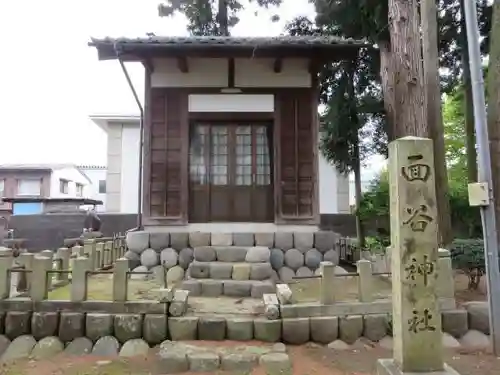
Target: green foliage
[(468, 256)]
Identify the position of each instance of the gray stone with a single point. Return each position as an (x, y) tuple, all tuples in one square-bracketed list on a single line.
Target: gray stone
[(79, 346), (283, 240), (296, 331), (331, 256), (221, 239), (134, 347), (260, 288), (304, 272), (221, 271), (71, 326), (313, 258), (244, 239), (303, 241), (159, 240), (175, 275), (4, 343), (183, 328), (350, 328), (338, 345), (17, 323), (155, 328), (2, 321), (294, 259), (387, 343), (235, 288), (134, 259), (19, 348), (286, 274), (98, 325), (275, 363), (44, 324), (324, 240), (169, 257), (192, 286), (240, 329), (212, 328), (137, 241), (106, 346), (258, 254), (455, 322), (199, 239), (179, 240), (274, 277), (264, 239), (230, 253), (149, 258), (137, 273), (324, 329), (127, 327), (172, 361), (205, 254), (186, 256), (241, 271), (478, 316), (211, 288), (449, 341), (47, 347), (203, 361), (279, 347), (375, 326), (260, 271), (240, 362), (277, 258), (475, 340), (199, 270)]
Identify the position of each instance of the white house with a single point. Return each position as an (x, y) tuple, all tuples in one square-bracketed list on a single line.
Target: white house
[(122, 174), (97, 176)]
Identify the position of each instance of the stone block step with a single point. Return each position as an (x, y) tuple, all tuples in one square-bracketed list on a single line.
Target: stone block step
[(255, 254), (229, 288), (230, 270)]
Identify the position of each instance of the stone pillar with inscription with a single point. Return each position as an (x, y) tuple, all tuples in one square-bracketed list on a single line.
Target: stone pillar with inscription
[(414, 256)]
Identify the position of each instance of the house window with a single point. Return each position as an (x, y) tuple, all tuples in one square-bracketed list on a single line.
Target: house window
[(79, 190), (2, 187), (63, 186), (102, 186), (29, 187)]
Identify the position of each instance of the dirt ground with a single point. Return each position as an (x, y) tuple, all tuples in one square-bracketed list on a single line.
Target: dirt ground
[(307, 360)]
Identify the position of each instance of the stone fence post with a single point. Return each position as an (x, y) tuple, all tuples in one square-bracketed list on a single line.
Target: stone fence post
[(445, 283), (365, 280), (99, 257), (328, 282), (39, 289), (120, 280), (26, 260), (90, 249), (6, 260), (63, 254), (79, 279)]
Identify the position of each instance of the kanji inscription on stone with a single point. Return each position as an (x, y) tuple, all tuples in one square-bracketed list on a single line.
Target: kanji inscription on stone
[(424, 270)]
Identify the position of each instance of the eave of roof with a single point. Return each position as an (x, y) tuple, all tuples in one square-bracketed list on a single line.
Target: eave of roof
[(283, 46)]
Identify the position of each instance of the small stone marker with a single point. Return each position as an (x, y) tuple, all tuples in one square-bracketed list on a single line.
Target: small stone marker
[(414, 244)]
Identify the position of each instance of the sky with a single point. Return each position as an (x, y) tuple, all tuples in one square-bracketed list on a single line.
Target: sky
[(51, 81)]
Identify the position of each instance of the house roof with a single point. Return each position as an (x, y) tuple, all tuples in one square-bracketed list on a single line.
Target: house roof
[(41, 167), (96, 167), (103, 120), (218, 46)]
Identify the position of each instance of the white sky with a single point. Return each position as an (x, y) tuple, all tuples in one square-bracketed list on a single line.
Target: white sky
[(50, 80)]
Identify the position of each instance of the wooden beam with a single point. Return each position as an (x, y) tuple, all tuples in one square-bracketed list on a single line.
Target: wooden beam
[(183, 65), (148, 65), (230, 73), (278, 65)]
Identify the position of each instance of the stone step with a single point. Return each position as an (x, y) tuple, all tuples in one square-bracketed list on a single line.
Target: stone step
[(229, 288), (230, 270), (254, 254)]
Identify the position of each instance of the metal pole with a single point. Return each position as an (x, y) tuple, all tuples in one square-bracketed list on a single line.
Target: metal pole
[(484, 166)]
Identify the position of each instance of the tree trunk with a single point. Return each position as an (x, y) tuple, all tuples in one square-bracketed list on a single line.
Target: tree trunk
[(222, 18), (387, 80), (494, 106), (470, 136), (433, 117), (358, 195), (407, 57)]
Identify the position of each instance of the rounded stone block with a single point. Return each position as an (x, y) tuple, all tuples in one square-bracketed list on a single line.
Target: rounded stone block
[(172, 361), (478, 316), (304, 272), (332, 256), (17, 323), (313, 258), (169, 257), (149, 258), (261, 288), (47, 347), (260, 271), (276, 363), (199, 270), (240, 329), (258, 254), (98, 325), (264, 239), (211, 288), (286, 274), (186, 256), (221, 271), (134, 347), (193, 286), (296, 331), (175, 275), (239, 362), (183, 328), (294, 259), (127, 327), (71, 326), (137, 273), (235, 288), (324, 329), (155, 328), (203, 361), (79, 346), (106, 346), (197, 239), (4, 343), (44, 324), (222, 239), (19, 348), (241, 271), (137, 241), (283, 240), (134, 259), (303, 241), (230, 254), (159, 240), (455, 322), (212, 328), (179, 240), (350, 328), (325, 240), (375, 326), (244, 239), (277, 259), (205, 254)]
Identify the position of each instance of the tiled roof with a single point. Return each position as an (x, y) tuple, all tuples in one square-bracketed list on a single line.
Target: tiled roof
[(98, 167), (35, 166)]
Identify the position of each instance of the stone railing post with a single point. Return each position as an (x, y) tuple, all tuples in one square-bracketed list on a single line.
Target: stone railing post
[(445, 283), (81, 267), (90, 249), (100, 253), (26, 260), (47, 254), (328, 282), (110, 256), (64, 255), (6, 260), (120, 280), (39, 289), (365, 280)]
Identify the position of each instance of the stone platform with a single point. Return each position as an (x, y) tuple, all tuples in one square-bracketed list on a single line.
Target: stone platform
[(389, 367)]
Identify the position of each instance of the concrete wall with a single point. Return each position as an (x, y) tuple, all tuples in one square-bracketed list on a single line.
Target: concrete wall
[(74, 177), (95, 175)]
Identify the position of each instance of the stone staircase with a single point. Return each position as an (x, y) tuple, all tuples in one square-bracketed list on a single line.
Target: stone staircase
[(231, 271)]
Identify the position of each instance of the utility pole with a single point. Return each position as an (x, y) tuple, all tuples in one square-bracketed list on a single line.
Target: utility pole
[(433, 116), (481, 193)]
